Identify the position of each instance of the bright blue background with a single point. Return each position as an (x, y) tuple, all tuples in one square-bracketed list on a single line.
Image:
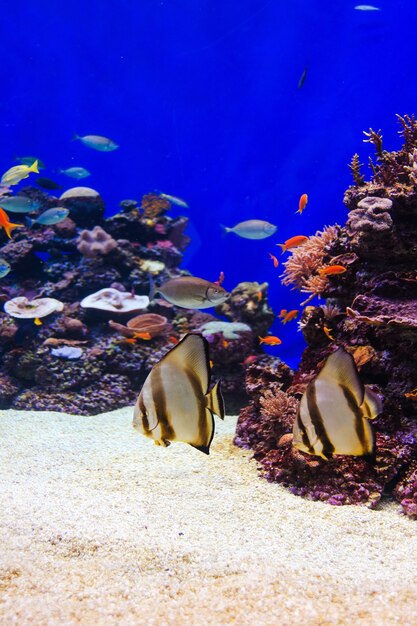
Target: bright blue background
[(202, 97)]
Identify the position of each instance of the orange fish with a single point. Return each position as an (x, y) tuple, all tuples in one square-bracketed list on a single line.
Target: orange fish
[(173, 340), (270, 340), (129, 340), (37, 321), (328, 333), (294, 242), (145, 336), (302, 203), (225, 343), (211, 363), (331, 270), (7, 224), (250, 359), (273, 259), (283, 313), (291, 315), (259, 295)]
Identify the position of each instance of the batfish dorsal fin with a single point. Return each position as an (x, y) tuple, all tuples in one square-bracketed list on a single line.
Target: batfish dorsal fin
[(191, 352), (340, 367), (372, 403)]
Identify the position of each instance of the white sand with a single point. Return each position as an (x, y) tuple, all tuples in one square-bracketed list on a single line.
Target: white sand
[(99, 526)]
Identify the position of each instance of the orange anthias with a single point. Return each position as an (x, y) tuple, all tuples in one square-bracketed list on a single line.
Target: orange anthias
[(302, 203), (7, 224), (145, 336), (291, 315), (273, 259), (331, 270), (294, 242), (270, 340)]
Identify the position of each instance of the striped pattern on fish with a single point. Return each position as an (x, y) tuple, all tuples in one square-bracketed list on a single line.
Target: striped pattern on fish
[(334, 411), (175, 403)]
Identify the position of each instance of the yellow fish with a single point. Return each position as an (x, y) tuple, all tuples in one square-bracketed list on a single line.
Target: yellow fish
[(15, 174), (334, 411), (175, 403)]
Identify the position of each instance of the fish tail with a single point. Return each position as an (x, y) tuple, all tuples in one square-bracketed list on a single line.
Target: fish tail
[(225, 229), (75, 137), (282, 246), (215, 402), (261, 340), (152, 288), (34, 167), (29, 221)]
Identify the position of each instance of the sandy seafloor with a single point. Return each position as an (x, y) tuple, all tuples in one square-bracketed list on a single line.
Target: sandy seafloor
[(99, 526)]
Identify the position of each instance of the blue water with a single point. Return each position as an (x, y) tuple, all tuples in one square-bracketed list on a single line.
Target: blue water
[(202, 98)]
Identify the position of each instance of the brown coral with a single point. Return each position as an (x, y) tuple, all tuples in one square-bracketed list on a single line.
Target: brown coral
[(153, 205), (95, 242), (150, 323)]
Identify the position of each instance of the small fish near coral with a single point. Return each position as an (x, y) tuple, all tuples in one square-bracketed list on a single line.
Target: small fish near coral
[(49, 217), (332, 270), (15, 174), (289, 316), (174, 200), (273, 259), (252, 229), (175, 403), (191, 292), (302, 203), (7, 224), (293, 242), (270, 340), (334, 411), (47, 183), (4, 268), (19, 204)]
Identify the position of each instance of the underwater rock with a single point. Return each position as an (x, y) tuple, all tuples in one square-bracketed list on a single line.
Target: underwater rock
[(85, 205), (371, 311), (248, 304)]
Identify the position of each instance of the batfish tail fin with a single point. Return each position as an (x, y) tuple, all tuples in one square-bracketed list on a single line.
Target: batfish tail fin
[(215, 402)]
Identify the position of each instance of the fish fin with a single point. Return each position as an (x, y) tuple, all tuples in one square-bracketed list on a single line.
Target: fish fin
[(341, 367), (215, 402), (225, 229), (193, 351), (34, 167), (75, 137), (282, 246), (205, 449), (372, 403), (152, 288), (29, 221)]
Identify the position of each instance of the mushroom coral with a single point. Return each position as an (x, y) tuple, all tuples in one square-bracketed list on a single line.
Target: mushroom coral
[(23, 308), (115, 301)]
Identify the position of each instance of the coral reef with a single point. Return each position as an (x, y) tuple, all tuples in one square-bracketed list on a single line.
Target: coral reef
[(371, 310), (76, 305), (248, 304)]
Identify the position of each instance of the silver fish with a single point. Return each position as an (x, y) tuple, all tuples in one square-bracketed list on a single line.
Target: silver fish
[(76, 172), (4, 268), (174, 200), (19, 204), (175, 403), (252, 229), (102, 144), (191, 292), (366, 7), (49, 217), (334, 411)]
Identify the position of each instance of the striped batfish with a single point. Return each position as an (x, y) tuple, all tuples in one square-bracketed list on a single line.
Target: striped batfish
[(175, 403), (334, 411)]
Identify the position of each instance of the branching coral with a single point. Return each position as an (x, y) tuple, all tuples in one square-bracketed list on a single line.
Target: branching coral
[(355, 168)]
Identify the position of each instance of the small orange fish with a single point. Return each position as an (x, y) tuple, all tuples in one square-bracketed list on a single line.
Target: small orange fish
[(331, 270), (129, 340), (225, 343), (294, 242), (259, 295), (220, 279), (273, 259), (291, 315), (250, 359), (173, 340), (302, 203), (145, 336), (270, 340), (7, 224), (283, 313), (328, 333), (411, 394), (37, 321)]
